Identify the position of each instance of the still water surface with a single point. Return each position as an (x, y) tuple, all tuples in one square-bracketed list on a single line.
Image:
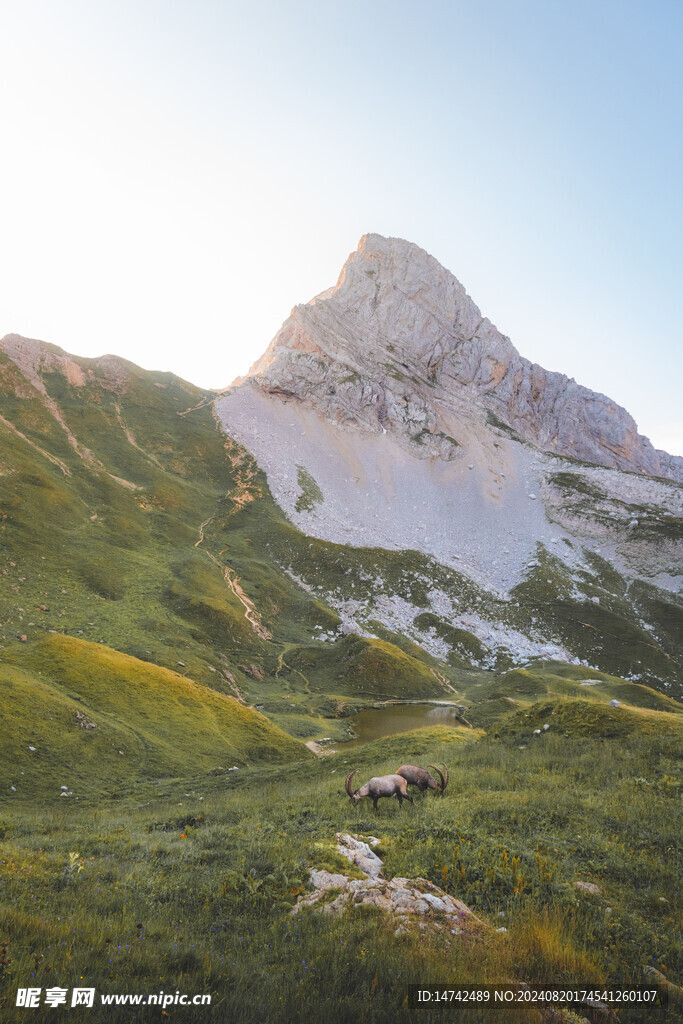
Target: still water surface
[(374, 723)]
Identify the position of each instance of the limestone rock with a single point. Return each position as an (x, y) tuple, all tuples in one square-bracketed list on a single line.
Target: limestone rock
[(327, 879), (419, 427), (674, 992), (398, 343), (359, 853), (411, 902)]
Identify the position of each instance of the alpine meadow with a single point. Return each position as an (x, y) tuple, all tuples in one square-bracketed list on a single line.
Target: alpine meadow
[(394, 542)]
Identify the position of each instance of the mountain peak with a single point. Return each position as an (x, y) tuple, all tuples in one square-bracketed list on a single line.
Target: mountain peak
[(398, 345), (393, 270), (393, 303)]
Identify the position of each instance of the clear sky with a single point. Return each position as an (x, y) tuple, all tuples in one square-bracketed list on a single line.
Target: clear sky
[(175, 176)]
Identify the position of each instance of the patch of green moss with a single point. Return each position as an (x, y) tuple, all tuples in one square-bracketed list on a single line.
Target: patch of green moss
[(350, 378), (324, 856), (311, 495), (465, 647), (447, 437), (493, 421), (577, 484)]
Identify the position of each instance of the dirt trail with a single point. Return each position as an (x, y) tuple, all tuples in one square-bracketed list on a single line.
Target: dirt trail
[(201, 404), (250, 614), (281, 663), (244, 471), (440, 678), (201, 532), (233, 581)]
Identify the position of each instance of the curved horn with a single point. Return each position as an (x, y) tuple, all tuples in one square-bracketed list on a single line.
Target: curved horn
[(438, 772), (348, 781), (447, 775)]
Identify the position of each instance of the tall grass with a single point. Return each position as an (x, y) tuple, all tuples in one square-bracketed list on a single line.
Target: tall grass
[(187, 885)]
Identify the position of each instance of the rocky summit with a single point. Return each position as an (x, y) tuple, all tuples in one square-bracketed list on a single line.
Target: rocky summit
[(399, 347)]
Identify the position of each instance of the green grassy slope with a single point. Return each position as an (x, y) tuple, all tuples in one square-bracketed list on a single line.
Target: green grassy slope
[(87, 554), (100, 721), (147, 530), (493, 699), (634, 630)]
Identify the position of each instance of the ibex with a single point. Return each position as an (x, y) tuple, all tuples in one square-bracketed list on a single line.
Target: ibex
[(381, 785), (421, 778)]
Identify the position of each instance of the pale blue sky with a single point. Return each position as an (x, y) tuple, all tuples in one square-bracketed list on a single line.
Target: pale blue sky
[(175, 177)]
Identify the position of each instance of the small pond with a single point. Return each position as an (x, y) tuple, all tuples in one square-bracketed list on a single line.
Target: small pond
[(374, 723)]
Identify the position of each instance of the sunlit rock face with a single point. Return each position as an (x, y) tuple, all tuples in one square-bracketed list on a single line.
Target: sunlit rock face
[(398, 346)]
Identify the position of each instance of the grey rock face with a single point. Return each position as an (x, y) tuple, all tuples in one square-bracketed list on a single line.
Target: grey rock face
[(359, 853), (398, 346)]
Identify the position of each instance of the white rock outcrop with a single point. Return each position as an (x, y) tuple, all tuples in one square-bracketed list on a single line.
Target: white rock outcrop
[(408, 901), (398, 343), (360, 853)]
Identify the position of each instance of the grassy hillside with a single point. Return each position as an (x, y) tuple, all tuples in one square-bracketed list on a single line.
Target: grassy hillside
[(494, 697), (97, 721), (128, 519), (367, 668)]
